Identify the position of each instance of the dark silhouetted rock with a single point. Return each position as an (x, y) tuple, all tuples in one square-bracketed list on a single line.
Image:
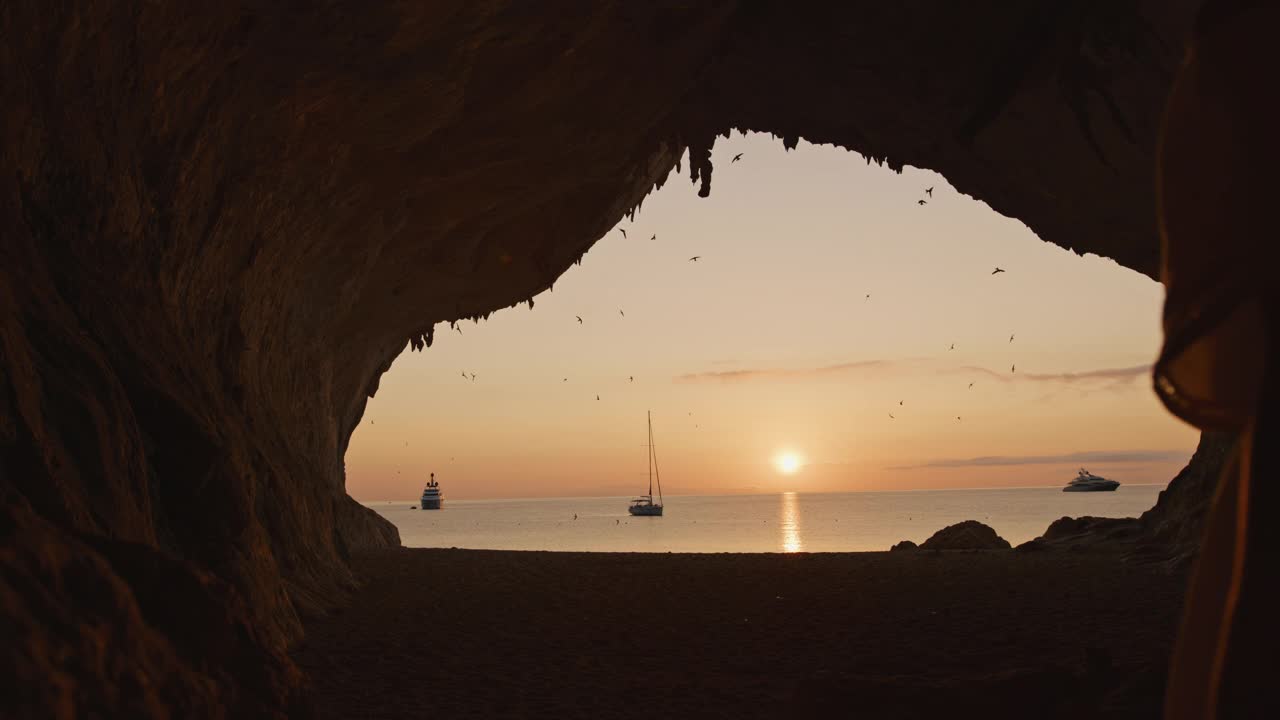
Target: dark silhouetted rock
[(1033, 545), (1166, 534), (904, 545), (1067, 528), (967, 535), (1177, 520)]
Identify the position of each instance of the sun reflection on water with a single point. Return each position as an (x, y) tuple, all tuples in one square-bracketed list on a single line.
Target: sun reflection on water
[(789, 524)]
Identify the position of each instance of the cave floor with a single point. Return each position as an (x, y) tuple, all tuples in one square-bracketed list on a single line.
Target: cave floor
[(472, 633)]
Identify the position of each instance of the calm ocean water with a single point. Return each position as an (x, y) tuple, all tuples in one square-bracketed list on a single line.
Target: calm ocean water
[(787, 522)]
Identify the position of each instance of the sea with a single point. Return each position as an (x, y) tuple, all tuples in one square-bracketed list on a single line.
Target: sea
[(784, 523)]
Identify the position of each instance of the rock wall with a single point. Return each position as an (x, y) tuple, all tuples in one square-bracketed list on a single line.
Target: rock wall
[(1177, 520), (220, 225)]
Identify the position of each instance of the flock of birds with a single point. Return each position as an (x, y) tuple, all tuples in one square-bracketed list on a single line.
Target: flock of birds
[(1012, 368), (631, 378)]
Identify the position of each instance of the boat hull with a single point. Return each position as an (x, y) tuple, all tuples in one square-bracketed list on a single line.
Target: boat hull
[(432, 503), (1096, 487), (645, 510)]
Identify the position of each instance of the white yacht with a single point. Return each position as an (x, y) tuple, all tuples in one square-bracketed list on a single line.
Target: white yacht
[(644, 505), (1086, 481), (432, 498)]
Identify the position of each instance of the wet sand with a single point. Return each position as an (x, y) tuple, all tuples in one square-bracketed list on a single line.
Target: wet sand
[(471, 634)]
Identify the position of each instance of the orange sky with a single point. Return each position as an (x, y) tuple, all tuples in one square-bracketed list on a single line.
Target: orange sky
[(769, 344)]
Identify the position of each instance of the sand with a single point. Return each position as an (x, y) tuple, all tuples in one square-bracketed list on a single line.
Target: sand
[(469, 633)]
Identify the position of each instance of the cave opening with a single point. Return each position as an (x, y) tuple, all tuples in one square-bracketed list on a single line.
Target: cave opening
[(836, 334), (221, 224)]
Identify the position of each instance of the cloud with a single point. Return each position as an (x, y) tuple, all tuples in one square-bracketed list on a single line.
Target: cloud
[(1115, 375), (781, 373), (1109, 457), (1110, 377)]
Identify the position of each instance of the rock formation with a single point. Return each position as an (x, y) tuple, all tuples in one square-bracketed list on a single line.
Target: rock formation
[(1168, 533), (1178, 517), (903, 546), (219, 225), (967, 535)]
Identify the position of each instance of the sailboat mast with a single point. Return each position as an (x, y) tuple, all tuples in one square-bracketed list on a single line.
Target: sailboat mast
[(650, 416), (653, 452)]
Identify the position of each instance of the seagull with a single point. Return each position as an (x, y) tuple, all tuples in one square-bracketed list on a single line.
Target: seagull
[(929, 191), (565, 380), (891, 417), (654, 236), (736, 158), (455, 327), (597, 397), (868, 297), (579, 319), (695, 258), (464, 374), (953, 346), (473, 377), (997, 270), (631, 378), (624, 232), (1013, 368), (899, 402), (957, 417), (922, 201), (1011, 338), (622, 313), (970, 386)]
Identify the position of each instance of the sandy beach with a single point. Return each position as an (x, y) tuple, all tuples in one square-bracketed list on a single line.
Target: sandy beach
[(468, 633)]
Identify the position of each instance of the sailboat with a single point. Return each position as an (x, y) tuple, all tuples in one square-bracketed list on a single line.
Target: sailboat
[(644, 505)]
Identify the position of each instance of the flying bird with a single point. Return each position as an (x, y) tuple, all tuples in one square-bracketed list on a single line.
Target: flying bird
[(622, 313), (624, 232), (957, 417), (473, 377), (891, 417), (455, 327), (1013, 368), (695, 258), (970, 386), (899, 402), (464, 374), (597, 397), (654, 236), (929, 191), (631, 378), (565, 380), (868, 297), (922, 201), (736, 158), (579, 319), (953, 346), (997, 270), (1011, 338)]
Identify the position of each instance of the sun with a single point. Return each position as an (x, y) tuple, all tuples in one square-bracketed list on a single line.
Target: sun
[(788, 462)]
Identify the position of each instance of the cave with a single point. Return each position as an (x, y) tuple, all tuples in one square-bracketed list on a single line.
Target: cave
[(222, 224)]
